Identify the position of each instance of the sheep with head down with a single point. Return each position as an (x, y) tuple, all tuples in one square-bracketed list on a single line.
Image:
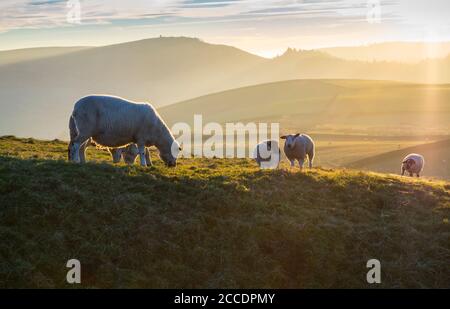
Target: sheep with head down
[(413, 164), (115, 122)]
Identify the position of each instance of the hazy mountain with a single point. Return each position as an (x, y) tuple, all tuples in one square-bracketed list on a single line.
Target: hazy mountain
[(37, 95), (20, 55), (392, 51)]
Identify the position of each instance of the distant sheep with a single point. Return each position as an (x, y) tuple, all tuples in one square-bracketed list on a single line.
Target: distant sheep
[(267, 154), (297, 147), (413, 164), (115, 122)]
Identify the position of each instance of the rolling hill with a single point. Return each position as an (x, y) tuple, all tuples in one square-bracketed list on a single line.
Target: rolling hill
[(37, 95), (213, 223), (9, 57), (327, 106), (437, 160)]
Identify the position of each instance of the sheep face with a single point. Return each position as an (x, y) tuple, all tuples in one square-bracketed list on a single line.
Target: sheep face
[(130, 153), (170, 157), (290, 140), (408, 164), (116, 153)]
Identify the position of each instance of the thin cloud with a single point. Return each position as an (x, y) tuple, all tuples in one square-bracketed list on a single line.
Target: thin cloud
[(52, 13)]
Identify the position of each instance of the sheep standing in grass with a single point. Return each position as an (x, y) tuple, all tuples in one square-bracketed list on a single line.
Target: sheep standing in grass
[(413, 164), (267, 154), (115, 122), (297, 147)]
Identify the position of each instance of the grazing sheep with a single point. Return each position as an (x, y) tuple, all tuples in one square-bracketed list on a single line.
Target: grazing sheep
[(413, 164), (267, 154), (297, 147), (115, 122)]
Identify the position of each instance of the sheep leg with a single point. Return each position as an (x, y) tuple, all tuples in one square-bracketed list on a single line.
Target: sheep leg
[(411, 175), (76, 145), (82, 151), (418, 175), (147, 157), (310, 159), (292, 163), (141, 148), (403, 171), (75, 152), (300, 163)]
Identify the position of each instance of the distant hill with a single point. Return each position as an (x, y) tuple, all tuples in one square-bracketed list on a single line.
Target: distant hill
[(37, 95), (328, 106), (437, 160), (392, 51), (29, 54)]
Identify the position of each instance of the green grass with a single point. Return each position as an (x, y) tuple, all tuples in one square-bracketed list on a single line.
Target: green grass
[(216, 223)]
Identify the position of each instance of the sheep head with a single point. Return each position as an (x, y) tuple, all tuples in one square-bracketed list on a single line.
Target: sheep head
[(290, 139)]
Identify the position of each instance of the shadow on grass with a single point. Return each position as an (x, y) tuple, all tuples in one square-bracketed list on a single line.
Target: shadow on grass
[(215, 227)]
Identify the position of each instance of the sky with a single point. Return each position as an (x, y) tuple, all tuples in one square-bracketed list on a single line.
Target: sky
[(263, 27)]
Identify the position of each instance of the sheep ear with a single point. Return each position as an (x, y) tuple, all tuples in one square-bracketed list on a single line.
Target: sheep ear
[(297, 135), (179, 148), (284, 137)]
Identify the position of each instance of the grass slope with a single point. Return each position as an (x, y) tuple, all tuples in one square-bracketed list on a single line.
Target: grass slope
[(436, 155), (213, 223)]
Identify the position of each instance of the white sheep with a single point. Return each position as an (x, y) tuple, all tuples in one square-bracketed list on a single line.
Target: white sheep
[(297, 147), (267, 154), (115, 122), (413, 164)]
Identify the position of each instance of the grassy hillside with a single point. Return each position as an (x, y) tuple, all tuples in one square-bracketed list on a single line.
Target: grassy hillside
[(328, 106), (436, 155), (213, 223)]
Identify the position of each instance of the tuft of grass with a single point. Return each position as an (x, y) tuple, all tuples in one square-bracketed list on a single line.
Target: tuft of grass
[(214, 223)]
